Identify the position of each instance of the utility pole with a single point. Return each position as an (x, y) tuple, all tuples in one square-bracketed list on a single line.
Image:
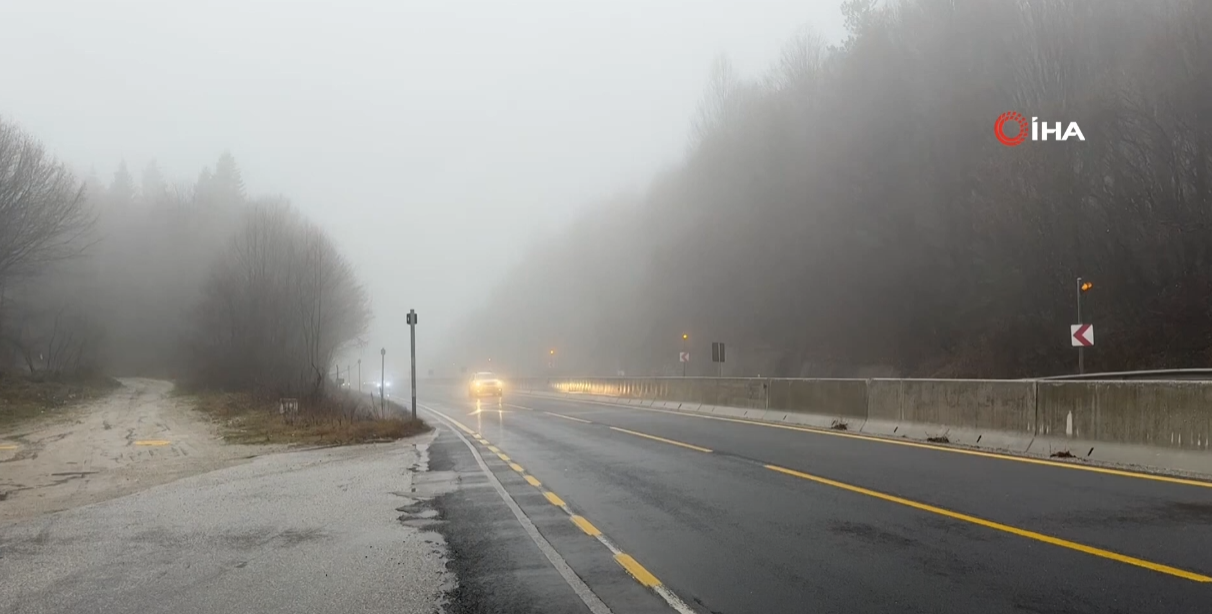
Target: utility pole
[(412, 333), (382, 381), (359, 375)]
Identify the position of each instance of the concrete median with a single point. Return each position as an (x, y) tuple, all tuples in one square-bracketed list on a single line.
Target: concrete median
[(1160, 424), (996, 414)]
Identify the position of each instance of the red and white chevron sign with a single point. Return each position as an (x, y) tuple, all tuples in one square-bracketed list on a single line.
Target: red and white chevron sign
[(1081, 335)]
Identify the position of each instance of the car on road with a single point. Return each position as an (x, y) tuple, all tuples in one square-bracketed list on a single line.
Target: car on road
[(485, 384)]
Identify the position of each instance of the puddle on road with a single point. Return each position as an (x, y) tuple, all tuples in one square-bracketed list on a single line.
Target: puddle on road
[(419, 511)]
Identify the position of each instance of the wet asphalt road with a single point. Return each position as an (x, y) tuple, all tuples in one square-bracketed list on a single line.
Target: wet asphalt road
[(858, 526)]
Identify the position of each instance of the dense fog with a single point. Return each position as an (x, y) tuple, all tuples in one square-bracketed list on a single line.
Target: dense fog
[(847, 212), (194, 281), (851, 213)]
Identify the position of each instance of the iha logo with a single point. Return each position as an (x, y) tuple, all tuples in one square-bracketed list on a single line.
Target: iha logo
[(1002, 130)]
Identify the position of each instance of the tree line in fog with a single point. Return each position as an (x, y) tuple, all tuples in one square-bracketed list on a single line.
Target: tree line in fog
[(850, 212), (195, 281)]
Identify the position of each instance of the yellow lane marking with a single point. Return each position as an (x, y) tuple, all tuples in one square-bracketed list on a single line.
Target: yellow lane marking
[(551, 413), (516, 467), (462, 426), (152, 442), (1048, 539), (9, 446), (530, 479), (504, 457), (556, 501), (494, 449), (662, 439), (913, 444), (586, 526), (634, 568)]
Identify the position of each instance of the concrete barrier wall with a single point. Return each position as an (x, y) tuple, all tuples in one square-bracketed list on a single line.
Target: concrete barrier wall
[(984, 413), (1164, 424)]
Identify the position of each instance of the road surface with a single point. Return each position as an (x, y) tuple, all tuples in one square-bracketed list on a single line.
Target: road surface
[(732, 517)]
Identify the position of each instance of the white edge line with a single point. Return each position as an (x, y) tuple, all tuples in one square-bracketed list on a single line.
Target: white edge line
[(578, 585), (663, 591)]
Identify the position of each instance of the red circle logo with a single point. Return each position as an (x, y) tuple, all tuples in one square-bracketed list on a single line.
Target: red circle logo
[(999, 129)]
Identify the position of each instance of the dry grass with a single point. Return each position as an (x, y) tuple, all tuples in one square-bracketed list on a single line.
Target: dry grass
[(250, 420), (25, 398)]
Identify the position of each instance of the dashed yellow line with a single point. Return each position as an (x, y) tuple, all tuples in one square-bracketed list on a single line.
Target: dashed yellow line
[(9, 446), (1048, 539), (494, 449), (504, 457), (662, 439), (153, 442), (634, 568), (586, 526)]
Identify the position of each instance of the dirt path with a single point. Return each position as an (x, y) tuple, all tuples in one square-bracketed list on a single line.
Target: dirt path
[(136, 438)]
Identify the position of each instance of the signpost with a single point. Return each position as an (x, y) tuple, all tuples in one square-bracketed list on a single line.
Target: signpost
[(412, 332), (683, 356), (717, 355)]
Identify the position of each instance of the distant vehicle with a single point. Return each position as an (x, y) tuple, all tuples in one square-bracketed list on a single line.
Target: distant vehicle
[(485, 384)]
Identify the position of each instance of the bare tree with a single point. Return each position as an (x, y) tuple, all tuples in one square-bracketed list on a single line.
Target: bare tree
[(43, 214)]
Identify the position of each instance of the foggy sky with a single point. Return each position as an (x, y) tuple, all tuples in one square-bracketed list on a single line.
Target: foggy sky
[(433, 140)]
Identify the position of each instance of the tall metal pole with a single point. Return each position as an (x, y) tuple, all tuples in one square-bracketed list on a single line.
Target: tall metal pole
[(412, 331), (1081, 354), (683, 351), (359, 375), (382, 381)]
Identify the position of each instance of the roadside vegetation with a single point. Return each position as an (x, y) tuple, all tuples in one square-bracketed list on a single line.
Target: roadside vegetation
[(340, 419), (23, 397)]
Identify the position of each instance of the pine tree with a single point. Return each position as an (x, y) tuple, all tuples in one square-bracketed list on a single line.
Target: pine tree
[(154, 187), (122, 190), (228, 182)]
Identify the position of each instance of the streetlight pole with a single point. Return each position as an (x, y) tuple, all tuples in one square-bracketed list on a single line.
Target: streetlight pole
[(1081, 351), (382, 381), (359, 376), (685, 339)]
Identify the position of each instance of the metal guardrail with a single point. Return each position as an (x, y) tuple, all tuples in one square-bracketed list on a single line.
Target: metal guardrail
[(1163, 374)]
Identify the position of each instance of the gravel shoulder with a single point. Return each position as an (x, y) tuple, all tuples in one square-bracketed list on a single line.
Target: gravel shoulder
[(137, 437), (307, 531)]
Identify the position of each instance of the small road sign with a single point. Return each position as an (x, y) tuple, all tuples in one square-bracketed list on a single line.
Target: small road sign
[(683, 356), (717, 351), (1081, 335)]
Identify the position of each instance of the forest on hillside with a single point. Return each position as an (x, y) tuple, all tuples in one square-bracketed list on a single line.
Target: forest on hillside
[(194, 281), (850, 212)]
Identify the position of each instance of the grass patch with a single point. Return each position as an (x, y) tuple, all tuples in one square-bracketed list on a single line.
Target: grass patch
[(249, 419), (24, 398)]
